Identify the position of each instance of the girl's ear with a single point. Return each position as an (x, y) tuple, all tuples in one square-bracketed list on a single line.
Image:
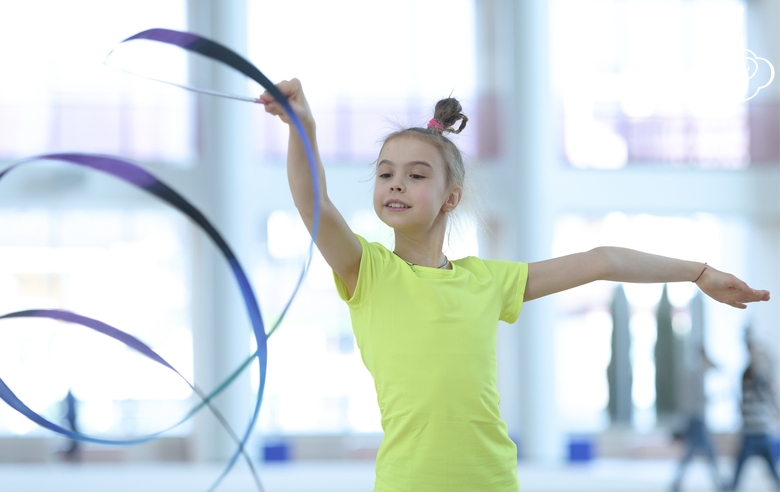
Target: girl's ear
[(452, 200)]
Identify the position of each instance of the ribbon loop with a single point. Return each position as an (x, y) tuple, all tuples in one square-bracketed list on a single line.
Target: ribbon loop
[(137, 176)]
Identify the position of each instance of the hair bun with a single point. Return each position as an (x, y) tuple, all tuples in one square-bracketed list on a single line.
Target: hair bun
[(447, 113)]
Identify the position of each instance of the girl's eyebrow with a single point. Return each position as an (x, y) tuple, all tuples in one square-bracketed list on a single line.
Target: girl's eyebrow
[(409, 164)]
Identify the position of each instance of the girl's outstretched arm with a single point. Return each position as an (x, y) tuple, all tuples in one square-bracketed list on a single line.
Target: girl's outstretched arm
[(627, 265), (335, 240)]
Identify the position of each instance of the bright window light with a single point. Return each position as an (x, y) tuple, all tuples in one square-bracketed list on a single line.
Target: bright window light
[(126, 268), (60, 95), (584, 327), (651, 81), (360, 91)]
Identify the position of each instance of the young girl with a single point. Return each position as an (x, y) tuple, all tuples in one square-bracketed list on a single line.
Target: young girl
[(426, 325)]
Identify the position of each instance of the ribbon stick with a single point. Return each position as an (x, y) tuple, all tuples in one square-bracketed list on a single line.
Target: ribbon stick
[(194, 43), (211, 49)]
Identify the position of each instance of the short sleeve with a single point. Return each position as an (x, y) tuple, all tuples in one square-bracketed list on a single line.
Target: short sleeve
[(511, 278), (373, 261)]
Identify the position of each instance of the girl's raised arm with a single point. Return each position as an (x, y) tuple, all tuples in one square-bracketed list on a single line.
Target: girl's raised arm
[(627, 265), (335, 240)]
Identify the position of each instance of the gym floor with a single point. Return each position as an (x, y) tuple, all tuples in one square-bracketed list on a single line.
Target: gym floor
[(601, 475)]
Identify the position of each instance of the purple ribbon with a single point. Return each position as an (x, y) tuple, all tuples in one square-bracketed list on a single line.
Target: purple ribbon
[(139, 177), (210, 49)]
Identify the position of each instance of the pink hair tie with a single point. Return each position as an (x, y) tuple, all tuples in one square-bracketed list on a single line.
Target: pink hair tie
[(435, 124)]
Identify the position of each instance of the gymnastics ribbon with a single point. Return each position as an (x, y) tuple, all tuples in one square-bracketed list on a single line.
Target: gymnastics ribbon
[(211, 49), (7, 395), (141, 178), (179, 39)]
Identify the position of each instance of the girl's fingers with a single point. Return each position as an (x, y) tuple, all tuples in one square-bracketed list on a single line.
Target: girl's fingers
[(293, 91), (267, 98), (274, 108), (290, 88), (730, 290), (285, 87), (750, 295)]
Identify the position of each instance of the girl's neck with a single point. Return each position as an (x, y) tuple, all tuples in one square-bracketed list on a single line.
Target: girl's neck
[(423, 251)]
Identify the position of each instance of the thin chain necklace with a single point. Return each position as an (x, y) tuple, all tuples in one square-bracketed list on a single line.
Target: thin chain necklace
[(443, 265)]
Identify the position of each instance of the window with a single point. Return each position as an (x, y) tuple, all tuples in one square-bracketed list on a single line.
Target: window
[(584, 327), (366, 92), (62, 98), (127, 268), (651, 82)]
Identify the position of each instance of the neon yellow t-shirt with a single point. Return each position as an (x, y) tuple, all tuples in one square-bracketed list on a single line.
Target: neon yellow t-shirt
[(428, 337)]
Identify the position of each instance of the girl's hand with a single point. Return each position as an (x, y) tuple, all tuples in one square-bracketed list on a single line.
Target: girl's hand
[(728, 289), (294, 92)]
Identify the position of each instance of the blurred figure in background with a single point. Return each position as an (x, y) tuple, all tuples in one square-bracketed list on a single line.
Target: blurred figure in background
[(72, 452), (760, 412), (695, 434)]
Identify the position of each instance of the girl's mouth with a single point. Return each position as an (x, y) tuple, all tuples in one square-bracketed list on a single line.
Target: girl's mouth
[(397, 206)]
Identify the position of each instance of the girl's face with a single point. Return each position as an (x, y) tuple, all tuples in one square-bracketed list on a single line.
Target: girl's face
[(411, 191)]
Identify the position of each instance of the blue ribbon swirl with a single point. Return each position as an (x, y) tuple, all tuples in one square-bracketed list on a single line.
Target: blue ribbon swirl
[(141, 178)]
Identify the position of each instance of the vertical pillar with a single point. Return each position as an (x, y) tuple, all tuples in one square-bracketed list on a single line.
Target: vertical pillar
[(763, 38), (532, 154), (764, 273), (666, 361), (619, 371), (762, 23), (514, 88), (221, 330)]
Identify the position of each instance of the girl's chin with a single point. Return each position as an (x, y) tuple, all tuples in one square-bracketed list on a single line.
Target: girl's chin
[(393, 222)]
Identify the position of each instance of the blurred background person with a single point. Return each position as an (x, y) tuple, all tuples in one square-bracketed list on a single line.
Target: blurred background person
[(760, 412), (695, 434), (72, 451)]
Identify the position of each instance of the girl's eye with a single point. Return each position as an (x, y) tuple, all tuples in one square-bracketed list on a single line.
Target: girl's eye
[(385, 175), (418, 176)]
